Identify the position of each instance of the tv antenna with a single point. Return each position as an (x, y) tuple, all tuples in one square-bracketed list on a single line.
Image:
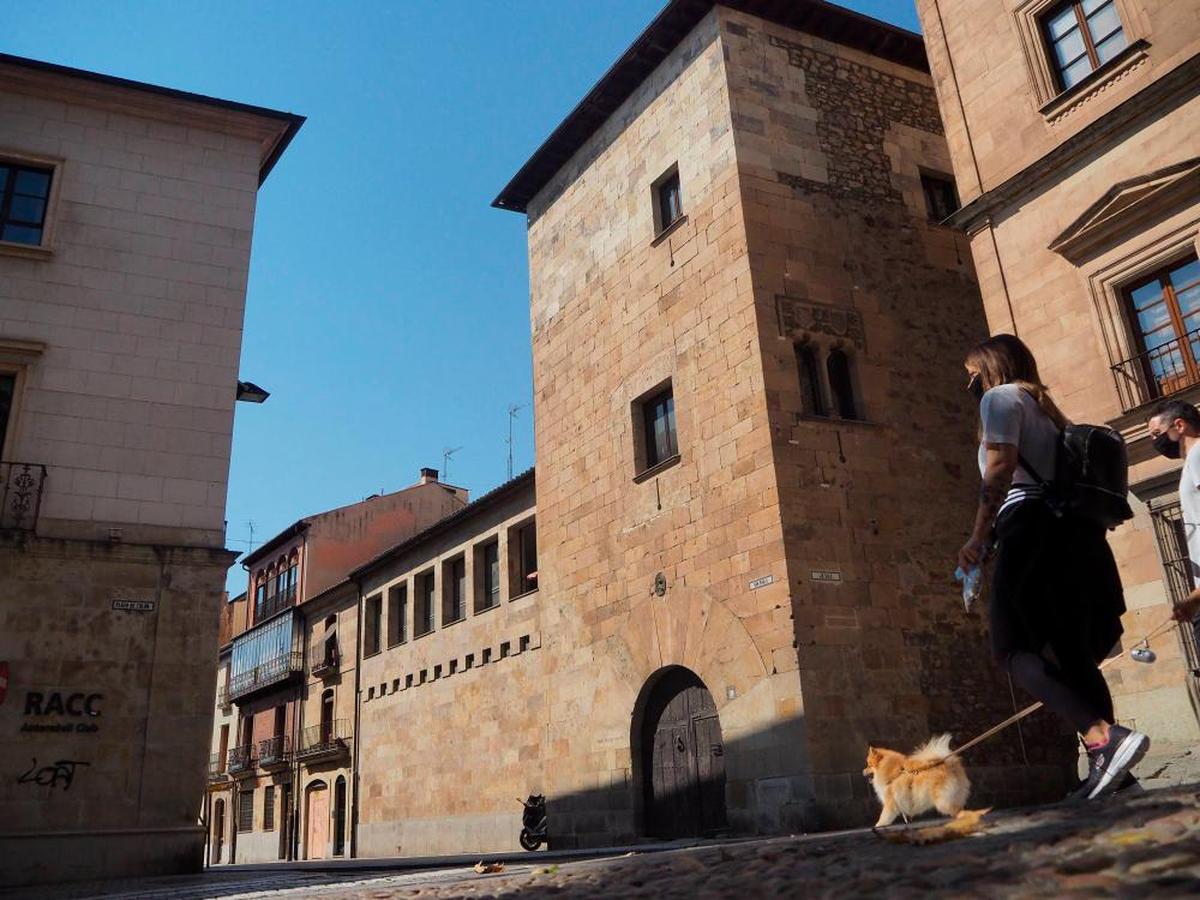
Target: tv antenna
[(513, 409), (250, 543), (447, 452)]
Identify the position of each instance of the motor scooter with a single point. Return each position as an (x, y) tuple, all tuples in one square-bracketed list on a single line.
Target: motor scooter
[(533, 822)]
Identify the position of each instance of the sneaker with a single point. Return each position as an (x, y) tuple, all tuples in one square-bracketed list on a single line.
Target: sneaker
[(1109, 763)]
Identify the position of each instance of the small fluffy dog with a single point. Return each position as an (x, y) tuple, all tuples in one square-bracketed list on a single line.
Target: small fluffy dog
[(928, 779)]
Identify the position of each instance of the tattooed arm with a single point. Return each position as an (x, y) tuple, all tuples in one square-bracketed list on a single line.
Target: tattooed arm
[(997, 478)]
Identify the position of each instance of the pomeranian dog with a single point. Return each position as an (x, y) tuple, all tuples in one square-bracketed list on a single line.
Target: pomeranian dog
[(929, 778)]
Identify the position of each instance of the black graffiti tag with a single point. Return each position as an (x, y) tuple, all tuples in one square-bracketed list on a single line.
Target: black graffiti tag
[(61, 772)]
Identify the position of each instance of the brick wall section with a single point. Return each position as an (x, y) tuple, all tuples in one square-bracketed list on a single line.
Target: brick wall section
[(830, 148), (141, 307)]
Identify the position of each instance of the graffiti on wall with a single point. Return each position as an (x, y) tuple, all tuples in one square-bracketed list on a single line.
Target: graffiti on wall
[(57, 774)]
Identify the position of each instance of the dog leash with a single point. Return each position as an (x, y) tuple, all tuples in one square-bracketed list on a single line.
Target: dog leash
[(1034, 707)]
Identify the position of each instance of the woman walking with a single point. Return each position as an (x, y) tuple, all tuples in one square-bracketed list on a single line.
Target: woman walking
[(1056, 600)]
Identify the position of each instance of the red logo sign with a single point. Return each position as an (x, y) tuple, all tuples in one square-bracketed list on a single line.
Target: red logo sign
[(3, 680)]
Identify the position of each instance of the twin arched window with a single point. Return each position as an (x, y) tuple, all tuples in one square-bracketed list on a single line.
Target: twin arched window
[(827, 390)]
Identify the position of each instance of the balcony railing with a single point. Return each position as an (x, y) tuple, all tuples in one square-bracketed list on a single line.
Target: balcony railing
[(325, 740), (324, 661), (241, 760), (21, 486), (276, 603), (223, 700), (1165, 370), (275, 752), (273, 671), (216, 767)]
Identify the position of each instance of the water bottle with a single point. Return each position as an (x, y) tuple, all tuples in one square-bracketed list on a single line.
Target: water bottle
[(972, 584)]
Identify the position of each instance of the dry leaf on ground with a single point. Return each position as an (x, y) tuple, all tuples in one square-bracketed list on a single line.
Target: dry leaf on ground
[(483, 868), (965, 823)]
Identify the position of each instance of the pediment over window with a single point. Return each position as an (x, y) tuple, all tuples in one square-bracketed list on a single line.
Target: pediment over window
[(1127, 205)]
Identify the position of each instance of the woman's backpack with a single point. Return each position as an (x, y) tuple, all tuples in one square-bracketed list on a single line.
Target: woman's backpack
[(1091, 478)]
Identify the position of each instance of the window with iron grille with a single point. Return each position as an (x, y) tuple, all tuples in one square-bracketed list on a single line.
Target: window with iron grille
[(1165, 309), (24, 195), (269, 808), (246, 810), (1081, 36)]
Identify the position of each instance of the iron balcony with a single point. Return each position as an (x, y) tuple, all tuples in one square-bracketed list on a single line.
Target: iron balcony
[(325, 661), (276, 603), (327, 740), (275, 752), (21, 488), (1167, 369), (241, 761), (216, 767), (274, 671)]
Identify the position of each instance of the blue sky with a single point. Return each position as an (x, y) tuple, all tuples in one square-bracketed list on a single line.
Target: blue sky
[(388, 303)]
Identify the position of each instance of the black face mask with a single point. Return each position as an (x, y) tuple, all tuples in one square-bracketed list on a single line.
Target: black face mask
[(1167, 447), (975, 388)]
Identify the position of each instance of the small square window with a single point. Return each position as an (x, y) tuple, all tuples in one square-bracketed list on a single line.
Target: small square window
[(395, 685), (371, 693), (941, 196), (469, 661), (453, 666), (408, 680), (505, 649), (487, 657), (668, 200), (424, 676), (524, 644), (24, 197)]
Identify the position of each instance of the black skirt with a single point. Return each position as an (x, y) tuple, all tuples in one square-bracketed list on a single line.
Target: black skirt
[(1054, 578)]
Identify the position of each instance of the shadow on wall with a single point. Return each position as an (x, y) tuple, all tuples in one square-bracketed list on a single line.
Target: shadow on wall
[(688, 780)]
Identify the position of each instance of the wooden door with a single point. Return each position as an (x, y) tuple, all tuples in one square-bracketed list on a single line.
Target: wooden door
[(317, 817), (687, 761), (218, 842)]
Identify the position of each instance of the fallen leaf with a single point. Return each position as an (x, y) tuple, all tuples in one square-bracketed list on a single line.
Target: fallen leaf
[(1129, 838), (483, 868), (965, 823)]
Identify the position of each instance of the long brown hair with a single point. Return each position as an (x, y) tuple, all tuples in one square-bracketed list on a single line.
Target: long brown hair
[(1004, 359)]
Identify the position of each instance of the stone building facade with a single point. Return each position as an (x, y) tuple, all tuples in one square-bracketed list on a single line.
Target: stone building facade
[(755, 453), (453, 693), (1076, 142), (280, 779), (125, 237)]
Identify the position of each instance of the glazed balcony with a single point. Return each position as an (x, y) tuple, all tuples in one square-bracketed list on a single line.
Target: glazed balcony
[(276, 603), (325, 661), (325, 741), (1165, 370), (216, 767), (276, 670), (275, 752), (241, 761), (21, 487)]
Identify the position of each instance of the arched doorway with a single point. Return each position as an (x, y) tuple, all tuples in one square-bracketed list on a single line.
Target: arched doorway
[(218, 826), (677, 738), (316, 817)]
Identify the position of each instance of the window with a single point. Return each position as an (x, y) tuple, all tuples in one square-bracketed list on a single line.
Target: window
[(8, 391), (280, 719), (941, 196), (522, 553), (487, 564), (246, 810), (1166, 311), (24, 196), (269, 808), (812, 402), (372, 624), (327, 714), (397, 617), (486, 656), (668, 200), (424, 610), (469, 661), (841, 384), (395, 684), (1082, 35), (260, 596), (454, 590), (505, 649), (408, 681), (524, 643), (661, 441)]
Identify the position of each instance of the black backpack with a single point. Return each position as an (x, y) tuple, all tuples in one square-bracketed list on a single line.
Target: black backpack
[(1091, 477)]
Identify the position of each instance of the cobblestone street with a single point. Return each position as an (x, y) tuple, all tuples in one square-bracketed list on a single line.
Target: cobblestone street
[(1138, 844)]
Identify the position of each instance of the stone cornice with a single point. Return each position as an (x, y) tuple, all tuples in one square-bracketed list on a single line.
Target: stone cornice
[(1146, 103)]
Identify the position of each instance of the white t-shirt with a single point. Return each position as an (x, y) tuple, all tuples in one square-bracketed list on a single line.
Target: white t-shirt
[(1012, 416), (1189, 502)]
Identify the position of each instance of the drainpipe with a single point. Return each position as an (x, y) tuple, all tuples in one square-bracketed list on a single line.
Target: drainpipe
[(357, 719)]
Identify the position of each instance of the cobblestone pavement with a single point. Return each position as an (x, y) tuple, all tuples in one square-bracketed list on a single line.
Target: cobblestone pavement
[(1144, 843)]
